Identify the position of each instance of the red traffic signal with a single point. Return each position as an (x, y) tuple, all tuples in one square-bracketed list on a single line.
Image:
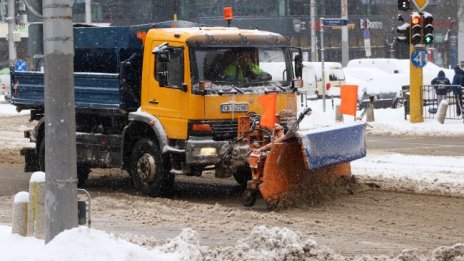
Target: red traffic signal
[(416, 28)]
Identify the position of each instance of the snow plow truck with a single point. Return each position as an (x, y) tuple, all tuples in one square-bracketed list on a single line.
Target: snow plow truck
[(154, 100)]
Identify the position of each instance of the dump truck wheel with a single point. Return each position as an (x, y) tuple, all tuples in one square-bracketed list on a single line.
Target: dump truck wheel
[(148, 169), (249, 197), (41, 156), (83, 172), (243, 175)]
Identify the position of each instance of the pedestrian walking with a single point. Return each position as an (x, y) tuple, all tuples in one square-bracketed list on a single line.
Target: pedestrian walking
[(458, 83), (441, 85)]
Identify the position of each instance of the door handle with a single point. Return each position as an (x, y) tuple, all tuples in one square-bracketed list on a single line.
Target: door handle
[(153, 101)]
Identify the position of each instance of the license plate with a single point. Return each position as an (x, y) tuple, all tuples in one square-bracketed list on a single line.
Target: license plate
[(234, 107)]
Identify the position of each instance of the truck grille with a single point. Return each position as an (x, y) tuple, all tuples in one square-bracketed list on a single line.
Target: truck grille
[(224, 130), (227, 129)]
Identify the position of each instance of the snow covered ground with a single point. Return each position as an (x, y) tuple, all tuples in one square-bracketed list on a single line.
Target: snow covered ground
[(429, 174)]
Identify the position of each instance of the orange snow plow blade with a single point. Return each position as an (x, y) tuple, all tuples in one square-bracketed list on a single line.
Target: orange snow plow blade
[(285, 169), (285, 163)]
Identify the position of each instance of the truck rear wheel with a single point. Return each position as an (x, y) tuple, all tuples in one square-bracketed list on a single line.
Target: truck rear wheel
[(82, 170), (148, 170)]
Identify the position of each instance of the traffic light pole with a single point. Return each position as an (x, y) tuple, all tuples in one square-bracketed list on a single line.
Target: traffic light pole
[(322, 64), (415, 90), (11, 28)]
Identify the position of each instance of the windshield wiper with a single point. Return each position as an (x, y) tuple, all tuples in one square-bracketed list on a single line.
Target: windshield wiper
[(278, 86), (230, 84)]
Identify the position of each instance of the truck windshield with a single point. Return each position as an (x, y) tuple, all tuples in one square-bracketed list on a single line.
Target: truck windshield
[(244, 69)]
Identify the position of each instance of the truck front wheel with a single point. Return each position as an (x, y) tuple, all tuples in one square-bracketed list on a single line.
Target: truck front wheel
[(148, 170), (243, 175)]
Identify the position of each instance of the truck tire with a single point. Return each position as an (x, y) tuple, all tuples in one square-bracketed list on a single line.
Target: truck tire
[(82, 170), (243, 175), (41, 156), (148, 170)]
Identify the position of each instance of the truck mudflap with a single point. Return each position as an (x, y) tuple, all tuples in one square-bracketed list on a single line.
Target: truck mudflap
[(333, 145)]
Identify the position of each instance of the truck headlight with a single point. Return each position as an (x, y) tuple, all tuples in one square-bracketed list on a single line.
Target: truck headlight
[(208, 151)]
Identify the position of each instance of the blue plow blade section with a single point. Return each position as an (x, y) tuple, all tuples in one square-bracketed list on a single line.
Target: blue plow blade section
[(333, 145)]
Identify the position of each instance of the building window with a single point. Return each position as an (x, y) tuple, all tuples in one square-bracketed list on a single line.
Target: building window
[(298, 7)]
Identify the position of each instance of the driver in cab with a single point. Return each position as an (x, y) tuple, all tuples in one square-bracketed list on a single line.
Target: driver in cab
[(243, 68)]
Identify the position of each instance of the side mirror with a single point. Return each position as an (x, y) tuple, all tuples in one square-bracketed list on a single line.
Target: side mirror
[(298, 66), (164, 57), (162, 52), (160, 48)]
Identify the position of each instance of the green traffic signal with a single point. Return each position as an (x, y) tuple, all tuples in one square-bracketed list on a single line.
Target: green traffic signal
[(428, 28), (428, 39)]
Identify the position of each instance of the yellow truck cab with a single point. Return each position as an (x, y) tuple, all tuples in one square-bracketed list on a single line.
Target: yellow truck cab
[(188, 114)]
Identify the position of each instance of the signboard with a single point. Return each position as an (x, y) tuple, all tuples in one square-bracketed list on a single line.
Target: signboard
[(334, 22), (366, 34), (364, 24), (367, 47), (419, 58), (439, 38), (420, 4)]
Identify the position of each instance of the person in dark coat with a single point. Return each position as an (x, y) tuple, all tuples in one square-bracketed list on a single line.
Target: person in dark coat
[(458, 83), (441, 85)]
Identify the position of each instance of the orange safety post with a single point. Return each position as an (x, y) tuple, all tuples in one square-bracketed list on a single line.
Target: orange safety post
[(268, 118), (349, 99)]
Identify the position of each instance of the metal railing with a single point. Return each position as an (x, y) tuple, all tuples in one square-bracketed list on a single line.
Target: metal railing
[(430, 102)]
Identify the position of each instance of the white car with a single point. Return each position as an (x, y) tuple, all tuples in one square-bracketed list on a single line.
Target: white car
[(385, 77), (5, 86)]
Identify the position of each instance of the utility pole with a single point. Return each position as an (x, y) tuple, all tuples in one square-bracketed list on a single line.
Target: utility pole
[(461, 32), (11, 29), (313, 31), (60, 130), (345, 42), (322, 64), (88, 12)]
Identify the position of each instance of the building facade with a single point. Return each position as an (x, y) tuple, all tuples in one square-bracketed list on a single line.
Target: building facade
[(292, 19)]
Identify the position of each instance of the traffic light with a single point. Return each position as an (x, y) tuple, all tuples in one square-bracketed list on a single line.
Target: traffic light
[(404, 5), (416, 28), (20, 10), (403, 30), (428, 28)]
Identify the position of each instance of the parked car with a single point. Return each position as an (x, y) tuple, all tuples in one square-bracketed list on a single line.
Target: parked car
[(5, 83), (384, 79)]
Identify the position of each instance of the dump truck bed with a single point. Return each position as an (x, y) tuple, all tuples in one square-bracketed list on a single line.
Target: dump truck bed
[(93, 91)]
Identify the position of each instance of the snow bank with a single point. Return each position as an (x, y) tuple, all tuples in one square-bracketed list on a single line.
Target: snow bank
[(261, 244)]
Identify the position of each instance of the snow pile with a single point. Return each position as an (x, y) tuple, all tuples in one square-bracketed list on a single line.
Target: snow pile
[(455, 252), (428, 174), (387, 122), (272, 244), (187, 244), (261, 244)]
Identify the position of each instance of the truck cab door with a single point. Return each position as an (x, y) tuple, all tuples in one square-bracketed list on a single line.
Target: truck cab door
[(167, 91)]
